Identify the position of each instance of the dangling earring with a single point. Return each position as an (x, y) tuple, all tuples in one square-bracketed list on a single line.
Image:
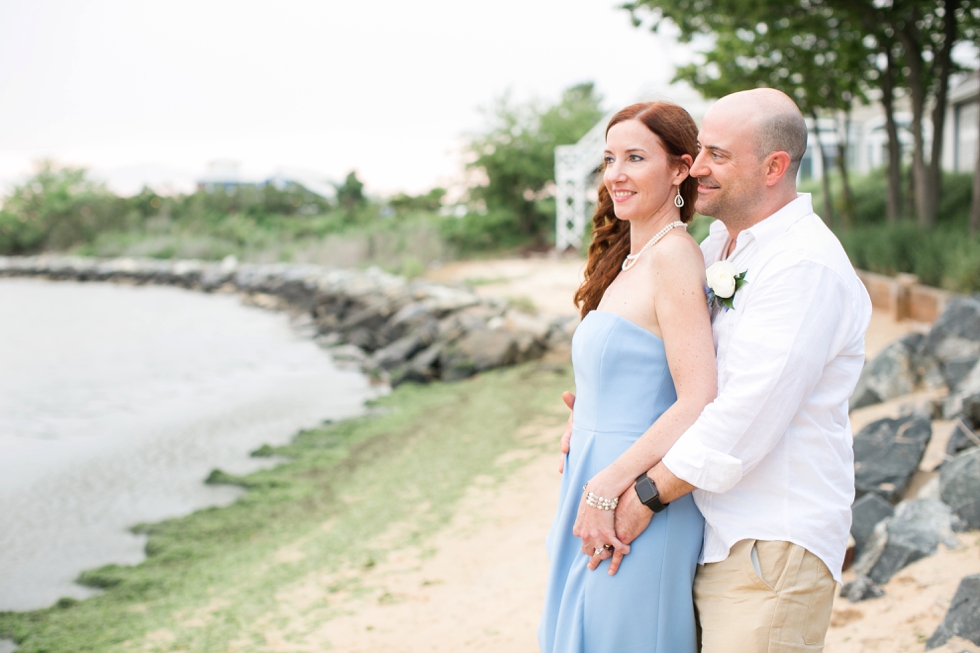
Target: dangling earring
[(678, 200)]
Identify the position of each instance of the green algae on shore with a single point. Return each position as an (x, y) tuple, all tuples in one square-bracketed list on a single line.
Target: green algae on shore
[(211, 577)]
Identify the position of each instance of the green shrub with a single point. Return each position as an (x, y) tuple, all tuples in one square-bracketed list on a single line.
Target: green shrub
[(944, 257), (57, 208), (868, 193), (20, 234)]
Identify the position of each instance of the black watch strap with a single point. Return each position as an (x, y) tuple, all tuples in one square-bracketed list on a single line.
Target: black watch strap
[(647, 492)]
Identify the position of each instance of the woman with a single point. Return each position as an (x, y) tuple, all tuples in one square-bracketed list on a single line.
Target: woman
[(644, 369)]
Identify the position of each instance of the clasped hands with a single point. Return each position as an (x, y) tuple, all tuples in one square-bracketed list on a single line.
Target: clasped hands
[(598, 528)]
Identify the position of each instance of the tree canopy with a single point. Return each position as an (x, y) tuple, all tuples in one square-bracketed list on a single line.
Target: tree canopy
[(513, 160), (829, 55)]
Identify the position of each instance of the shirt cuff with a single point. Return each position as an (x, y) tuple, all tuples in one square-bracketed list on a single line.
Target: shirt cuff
[(702, 467)]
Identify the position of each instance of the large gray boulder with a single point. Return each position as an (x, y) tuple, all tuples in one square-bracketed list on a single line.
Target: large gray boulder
[(959, 485), (912, 533), (957, 374), (866, 513), (422, 368), (476, 351), (954, 340), (409, 318), (888, 375), (887, 453), (398, 352), (963, 617)]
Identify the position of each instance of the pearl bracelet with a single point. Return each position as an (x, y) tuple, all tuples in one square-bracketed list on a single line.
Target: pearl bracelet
[(596, 501)]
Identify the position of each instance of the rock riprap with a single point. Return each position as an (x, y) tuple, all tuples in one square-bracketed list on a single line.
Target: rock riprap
[(949, 355), (954, 339), (395, 328), (962, 438), (912, 533), (964, 398), (963, 617), (866, 513), (887, 453), (890, 374), (959, 485)]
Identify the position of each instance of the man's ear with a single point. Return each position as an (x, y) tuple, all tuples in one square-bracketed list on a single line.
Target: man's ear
[(777, 164)]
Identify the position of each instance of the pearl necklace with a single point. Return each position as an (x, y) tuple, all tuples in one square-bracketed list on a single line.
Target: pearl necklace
[(630, 259)]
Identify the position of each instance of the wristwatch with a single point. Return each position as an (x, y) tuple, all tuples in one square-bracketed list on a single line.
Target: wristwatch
[(647, 491)]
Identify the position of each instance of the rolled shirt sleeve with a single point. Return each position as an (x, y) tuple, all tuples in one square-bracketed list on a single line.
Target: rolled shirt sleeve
[(787, 333)]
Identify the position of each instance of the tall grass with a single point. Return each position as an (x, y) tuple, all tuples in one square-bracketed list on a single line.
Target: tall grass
[(404, 244)]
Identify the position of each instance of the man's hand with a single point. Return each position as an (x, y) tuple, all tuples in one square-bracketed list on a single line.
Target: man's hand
[(632, 518), (566, 437)]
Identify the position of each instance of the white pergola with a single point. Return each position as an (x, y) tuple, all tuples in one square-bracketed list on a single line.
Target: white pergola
[(575, 167)]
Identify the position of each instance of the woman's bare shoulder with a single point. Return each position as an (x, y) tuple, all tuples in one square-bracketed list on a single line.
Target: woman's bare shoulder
[(679, 253)]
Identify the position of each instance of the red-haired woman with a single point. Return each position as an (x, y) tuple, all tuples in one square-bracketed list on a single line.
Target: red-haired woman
[(644, 369)]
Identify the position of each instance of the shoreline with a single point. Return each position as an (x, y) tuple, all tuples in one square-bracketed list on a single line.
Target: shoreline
[(116, 402), (394, 329), (204, 573)]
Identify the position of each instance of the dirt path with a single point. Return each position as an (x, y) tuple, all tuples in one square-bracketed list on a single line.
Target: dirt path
[(479, 585)]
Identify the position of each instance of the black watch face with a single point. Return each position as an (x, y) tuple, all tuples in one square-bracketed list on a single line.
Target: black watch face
[(646, 491)]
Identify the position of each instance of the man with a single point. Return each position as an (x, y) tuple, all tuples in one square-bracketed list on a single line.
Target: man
[(770, 461)]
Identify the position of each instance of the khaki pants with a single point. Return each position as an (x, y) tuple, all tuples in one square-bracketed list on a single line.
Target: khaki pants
[(782, 608)]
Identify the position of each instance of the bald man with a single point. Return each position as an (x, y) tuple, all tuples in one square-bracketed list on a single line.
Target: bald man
[(770, 461)]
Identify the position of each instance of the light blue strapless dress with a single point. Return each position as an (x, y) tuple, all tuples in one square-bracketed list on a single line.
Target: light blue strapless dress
[(623, 385)]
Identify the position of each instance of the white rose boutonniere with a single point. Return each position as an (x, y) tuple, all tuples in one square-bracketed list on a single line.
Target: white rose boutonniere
[(724, 280)]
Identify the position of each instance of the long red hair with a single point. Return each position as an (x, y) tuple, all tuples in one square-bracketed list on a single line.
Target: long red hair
[(610, 235)]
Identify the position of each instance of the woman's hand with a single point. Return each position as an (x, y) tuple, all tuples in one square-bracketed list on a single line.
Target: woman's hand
[(597, 527)]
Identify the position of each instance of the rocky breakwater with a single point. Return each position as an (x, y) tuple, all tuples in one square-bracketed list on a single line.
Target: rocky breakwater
[(395, 329), (897, 521)]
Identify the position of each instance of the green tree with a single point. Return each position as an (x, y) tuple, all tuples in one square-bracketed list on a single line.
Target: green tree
[(913, 38), (514, 159), (56, 208), (350, 194), (926, 30), (430, 202), (812, 56)]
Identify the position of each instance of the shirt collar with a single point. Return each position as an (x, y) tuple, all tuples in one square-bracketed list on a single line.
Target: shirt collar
[(770, 228), (776, 224)]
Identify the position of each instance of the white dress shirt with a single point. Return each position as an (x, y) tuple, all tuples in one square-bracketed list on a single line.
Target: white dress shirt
[(772, 455)]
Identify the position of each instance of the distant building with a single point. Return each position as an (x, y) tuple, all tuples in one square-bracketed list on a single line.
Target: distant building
[(222, 174), (963, 126), (225, 175), (867, 147)]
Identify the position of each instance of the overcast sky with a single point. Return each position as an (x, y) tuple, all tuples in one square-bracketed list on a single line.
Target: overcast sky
[(151, 91)]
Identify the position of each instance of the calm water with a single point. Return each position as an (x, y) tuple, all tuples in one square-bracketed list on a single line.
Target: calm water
[(115, 404)]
